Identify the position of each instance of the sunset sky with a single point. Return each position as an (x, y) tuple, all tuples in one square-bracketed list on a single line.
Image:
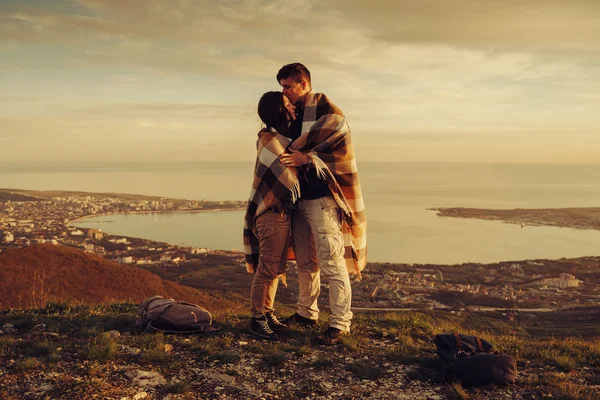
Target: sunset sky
[(470, 80)]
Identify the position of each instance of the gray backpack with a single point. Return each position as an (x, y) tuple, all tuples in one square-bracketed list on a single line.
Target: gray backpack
[(158, 314)]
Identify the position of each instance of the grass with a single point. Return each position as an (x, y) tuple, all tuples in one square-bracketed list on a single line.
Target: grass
[(322, 362), (565, 362), (153, 348), (147, 341), (350, 342), (155, 356), (211, 346), (298, 350), (566, 368), (558, 386), (57, 308), (408, 351), (27, 364), (44, 348), (7, 342), (274, 359), (364, 371), (227, 357), (102, 348), (179, 387), (255, 348)]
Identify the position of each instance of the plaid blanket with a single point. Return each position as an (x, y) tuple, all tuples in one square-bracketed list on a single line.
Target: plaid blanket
[(272, 183), (327, 140)]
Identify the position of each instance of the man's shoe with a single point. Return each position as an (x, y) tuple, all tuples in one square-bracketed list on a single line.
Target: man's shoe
[(331, 336), (299, 320), (274, 323), (260, 328)]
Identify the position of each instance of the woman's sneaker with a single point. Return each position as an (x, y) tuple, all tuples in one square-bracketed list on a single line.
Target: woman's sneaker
[(274, 323), (260, 328)]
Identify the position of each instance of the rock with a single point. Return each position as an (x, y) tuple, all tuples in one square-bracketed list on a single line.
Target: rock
[(215, 376), (130, 350), (242, 343), (9, 329), (51, 334), (168, 348), (145, 378), (39, 328), (140, 395), (1, 332), (327, 385), (111, 334), (260, 380), (41, 389)]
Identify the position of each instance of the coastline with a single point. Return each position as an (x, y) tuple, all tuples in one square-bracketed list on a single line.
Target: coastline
[(236, 249), (581, 218), (575, 218), (80, 219)]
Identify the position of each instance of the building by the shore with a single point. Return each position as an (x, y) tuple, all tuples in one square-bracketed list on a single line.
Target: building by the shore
[(7, 237), (562, 282)]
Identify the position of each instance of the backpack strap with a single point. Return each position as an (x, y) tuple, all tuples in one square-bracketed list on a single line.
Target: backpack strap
[(458, 343), (479, 344)]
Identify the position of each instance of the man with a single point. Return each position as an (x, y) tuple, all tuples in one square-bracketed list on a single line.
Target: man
[(329, 223)]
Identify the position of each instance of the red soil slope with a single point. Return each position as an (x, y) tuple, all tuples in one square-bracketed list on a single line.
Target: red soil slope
[(33, 275)]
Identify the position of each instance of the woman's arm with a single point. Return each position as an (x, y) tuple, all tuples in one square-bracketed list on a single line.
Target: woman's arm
[(295, 159)]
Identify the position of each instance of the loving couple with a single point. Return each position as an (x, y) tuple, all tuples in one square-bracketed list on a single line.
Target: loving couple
[(305, 195)]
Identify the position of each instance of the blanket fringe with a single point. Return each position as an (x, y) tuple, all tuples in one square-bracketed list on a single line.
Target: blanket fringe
[(283, 279), (295, 192)]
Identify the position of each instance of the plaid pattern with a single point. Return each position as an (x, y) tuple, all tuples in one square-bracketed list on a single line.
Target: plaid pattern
[(327, 140), (272, 182)]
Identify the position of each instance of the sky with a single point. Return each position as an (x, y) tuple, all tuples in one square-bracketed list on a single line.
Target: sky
[(419, 80)]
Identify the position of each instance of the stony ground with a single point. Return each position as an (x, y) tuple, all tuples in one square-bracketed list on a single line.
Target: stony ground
[(91, 354)]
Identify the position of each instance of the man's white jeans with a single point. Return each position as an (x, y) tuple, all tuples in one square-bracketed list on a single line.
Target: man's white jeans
[(319, 246)]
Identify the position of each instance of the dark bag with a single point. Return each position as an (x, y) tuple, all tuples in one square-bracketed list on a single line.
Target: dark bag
[(481, 369), (158, 314), (472, 361), (452, 346)]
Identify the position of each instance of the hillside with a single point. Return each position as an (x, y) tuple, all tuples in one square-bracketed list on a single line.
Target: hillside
[(9, 196), (72, 337), (34, 275), (91, 352)]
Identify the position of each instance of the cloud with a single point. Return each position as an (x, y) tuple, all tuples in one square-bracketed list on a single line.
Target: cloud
[(142, 71), (473, 23), (146, 111)]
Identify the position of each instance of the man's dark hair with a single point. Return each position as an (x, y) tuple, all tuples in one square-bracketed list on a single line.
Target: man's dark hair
[(273, 113), (296, 70)]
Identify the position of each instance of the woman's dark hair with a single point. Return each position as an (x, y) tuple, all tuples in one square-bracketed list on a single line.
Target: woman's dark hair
[(273, 113)]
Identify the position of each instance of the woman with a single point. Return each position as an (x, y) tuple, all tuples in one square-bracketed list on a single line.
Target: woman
[(267, 222)]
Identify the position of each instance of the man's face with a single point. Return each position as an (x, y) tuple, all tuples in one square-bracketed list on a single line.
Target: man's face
[(291, 109), (295, 91)]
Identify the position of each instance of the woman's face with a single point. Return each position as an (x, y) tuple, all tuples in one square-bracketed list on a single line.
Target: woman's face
[(291, 109)]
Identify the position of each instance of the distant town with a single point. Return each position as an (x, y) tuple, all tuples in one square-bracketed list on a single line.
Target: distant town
[(28, 218), (33, 220)]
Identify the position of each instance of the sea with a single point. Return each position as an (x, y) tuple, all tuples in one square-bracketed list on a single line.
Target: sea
[(398, 198)]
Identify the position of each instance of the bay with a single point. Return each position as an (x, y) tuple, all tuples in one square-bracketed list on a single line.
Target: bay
[(397, 196)]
